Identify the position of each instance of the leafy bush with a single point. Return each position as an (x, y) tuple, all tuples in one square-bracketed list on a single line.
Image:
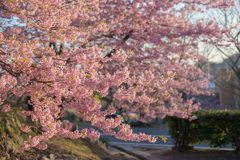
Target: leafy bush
[(217, 127), (105, 140), (148, 124), (181, 131)]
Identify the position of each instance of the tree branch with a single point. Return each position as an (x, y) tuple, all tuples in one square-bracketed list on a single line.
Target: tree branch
[(227, 90), (124, 40)]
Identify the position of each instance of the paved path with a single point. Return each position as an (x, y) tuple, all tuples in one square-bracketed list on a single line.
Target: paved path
[(115, 151), (142, 155)]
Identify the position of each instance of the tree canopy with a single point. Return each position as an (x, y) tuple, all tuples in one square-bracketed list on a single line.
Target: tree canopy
[(145, 49)]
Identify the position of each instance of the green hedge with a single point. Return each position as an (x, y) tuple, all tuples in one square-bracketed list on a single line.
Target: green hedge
[(72, 116), (216, 127)]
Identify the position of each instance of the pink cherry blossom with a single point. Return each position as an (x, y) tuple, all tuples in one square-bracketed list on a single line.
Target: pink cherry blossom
[(135, 47), (6, 107), (25, 128)]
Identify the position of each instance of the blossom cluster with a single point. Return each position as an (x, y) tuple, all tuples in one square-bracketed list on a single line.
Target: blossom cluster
[(25, 128)]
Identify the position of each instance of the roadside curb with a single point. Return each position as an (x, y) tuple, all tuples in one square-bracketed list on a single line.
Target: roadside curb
[(129, 152)]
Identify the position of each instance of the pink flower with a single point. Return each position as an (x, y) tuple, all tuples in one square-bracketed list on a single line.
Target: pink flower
[(192, 118), (42, 146), (25, 128), (6, 108)]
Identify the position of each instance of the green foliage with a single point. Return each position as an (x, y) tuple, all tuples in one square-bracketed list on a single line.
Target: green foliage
[(97, 94), (72, 116), (15, 129), (181, 132), (16, 143), (217, 127), (13, 126), (105, 140), (1, 131), (49, 151), (70, 152), (200, 89), (148, 124)]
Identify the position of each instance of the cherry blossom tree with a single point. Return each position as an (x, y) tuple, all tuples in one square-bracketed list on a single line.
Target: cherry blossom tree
[(142, 48)]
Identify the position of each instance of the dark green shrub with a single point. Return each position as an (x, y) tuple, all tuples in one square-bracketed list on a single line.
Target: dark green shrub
[(217, 127), (105, 140), (182, 132), (148, 124)]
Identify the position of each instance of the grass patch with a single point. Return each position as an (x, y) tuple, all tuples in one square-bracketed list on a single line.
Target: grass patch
[(79, 148), (15, 129), (16, 143), (1, 131)]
